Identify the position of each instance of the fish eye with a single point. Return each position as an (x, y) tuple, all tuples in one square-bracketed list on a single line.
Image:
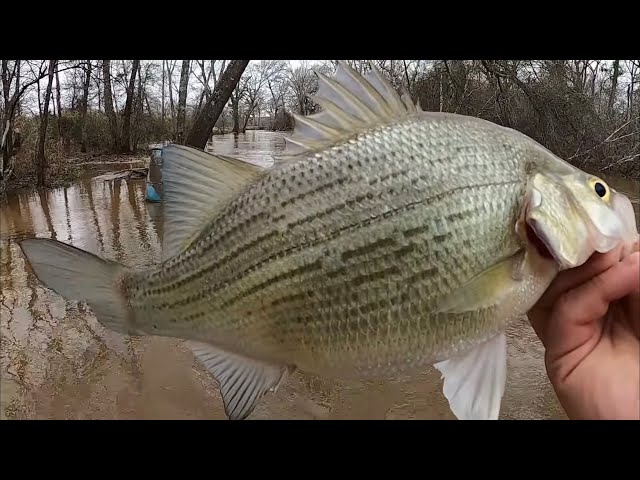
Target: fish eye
[(600, 188)]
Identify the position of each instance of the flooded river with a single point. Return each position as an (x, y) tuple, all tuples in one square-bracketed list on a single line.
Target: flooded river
[(58, 362)]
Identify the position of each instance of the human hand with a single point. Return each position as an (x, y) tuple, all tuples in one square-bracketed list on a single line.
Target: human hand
[(589, 323)]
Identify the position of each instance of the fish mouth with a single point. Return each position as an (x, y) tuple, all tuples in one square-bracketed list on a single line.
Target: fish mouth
[(540, 241)]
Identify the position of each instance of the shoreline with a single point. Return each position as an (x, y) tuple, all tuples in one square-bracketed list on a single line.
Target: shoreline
[(74, 171)]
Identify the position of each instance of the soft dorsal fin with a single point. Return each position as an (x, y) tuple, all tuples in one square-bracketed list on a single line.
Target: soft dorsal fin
[(195, 185), (350, 104)]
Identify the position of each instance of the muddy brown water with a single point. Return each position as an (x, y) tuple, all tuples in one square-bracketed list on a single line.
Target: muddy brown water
[(58, 362)]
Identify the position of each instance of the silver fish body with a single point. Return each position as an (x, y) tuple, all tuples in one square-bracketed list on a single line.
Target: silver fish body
[(337, 260)]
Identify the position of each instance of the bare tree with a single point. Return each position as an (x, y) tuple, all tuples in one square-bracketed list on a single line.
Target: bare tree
[(84, 107), (126, 116), (207, 118), (277, 86), (41, 159), (182, 101), (170, 66), (236, 96), (10, 104), (256, 81), (303, 83), (164, 63), (108, 105), (614, 85), (58, 104)]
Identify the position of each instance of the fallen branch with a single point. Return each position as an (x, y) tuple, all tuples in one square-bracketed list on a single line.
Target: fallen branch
[(620, 162), (136, 173), (606, 140)]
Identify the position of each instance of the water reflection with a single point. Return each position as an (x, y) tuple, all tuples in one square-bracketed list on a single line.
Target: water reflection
[(255, 146), (57, 361)]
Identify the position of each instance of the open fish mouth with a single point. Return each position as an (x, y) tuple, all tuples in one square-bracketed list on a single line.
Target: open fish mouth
[(541, 242), (534, 231)]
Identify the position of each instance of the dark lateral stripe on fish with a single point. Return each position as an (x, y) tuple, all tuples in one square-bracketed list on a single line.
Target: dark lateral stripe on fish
[(354, 281), (369, 248), (392, 175), (375, 276), (174, 264), (222, 236), (349, 279), (220, 263), (320, 189), (214, 288), (331, 289), (350, 203), (423, 275), (275, 280)]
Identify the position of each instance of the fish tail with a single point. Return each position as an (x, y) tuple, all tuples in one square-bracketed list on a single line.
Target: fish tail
[(76, 274)]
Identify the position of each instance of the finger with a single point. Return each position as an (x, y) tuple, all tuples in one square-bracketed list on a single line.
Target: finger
[(540, 314), (597, 263), (539, 320), (633, 311), (577, 315)]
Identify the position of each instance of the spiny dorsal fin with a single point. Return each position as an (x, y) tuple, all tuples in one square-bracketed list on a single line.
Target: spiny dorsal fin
[(195, 185), (350, 104)]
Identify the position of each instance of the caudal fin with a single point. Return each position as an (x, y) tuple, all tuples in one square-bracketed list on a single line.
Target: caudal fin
[(79, 275)]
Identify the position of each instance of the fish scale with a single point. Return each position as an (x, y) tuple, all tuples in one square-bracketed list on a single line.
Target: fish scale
[(384, 240), (354, 272), (308, 208)]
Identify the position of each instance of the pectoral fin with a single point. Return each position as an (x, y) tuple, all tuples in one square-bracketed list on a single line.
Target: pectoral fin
[(486, 289), (474, 383), (243, 381)]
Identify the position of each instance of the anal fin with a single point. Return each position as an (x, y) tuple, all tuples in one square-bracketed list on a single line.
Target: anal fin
[(474, 382), (243, 381)]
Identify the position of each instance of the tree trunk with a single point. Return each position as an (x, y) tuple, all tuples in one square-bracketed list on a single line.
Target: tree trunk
[(85, 106), (139, 110), (614, 85), (182, 101), (246, 120), (247, 117), (17, 90), (39, 100), (631, 90), (171, 104), (100, 93), (163, 111), (235, 112), (58, 105), (41, 160), (208, 117), (6, 136), (126, 117), (108, 105)]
